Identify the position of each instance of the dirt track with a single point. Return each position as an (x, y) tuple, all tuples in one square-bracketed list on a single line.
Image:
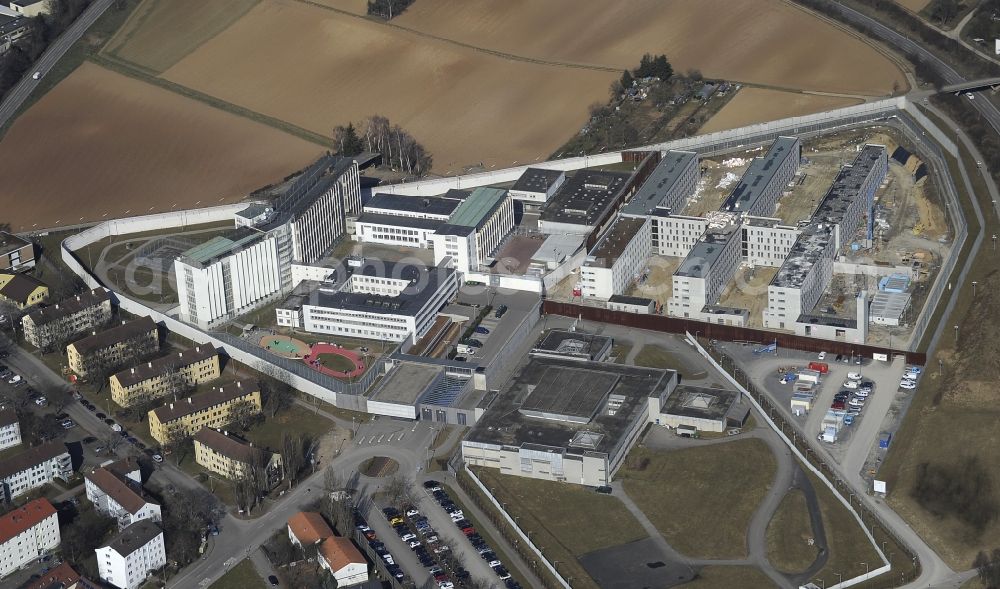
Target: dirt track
[(104, 143)]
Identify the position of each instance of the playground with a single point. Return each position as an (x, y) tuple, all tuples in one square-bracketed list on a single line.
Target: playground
[(285, 346), (335, 361)]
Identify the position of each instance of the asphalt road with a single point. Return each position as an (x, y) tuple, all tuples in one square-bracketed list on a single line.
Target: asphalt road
[(16, 97)]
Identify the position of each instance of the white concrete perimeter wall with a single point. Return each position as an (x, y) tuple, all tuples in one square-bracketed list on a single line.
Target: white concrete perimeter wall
[(871, 269), (886, 567)]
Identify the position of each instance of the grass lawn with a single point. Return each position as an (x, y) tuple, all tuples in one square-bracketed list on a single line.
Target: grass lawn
[(716, 577), (654, 356), (241, 576), (620, 351), (564, 520), (789, 533), (848, 545), (336, 362), (294, 420), (974, 583), (681, 491)]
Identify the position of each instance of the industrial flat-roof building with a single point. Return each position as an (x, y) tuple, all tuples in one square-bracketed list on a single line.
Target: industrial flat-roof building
[(567, 419), (765, 179), (474, 230), (537, 185), (618, 259), (560, 343), (584, 202), (705, 409), (396, 219)]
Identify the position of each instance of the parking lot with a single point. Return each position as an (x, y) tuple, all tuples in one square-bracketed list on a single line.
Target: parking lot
[(855, 442)]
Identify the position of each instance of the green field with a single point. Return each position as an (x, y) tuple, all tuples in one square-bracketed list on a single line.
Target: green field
[(241, 576), (788, 535), (653, 356)]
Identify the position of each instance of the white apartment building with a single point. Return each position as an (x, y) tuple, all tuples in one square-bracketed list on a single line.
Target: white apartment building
[(339, 556), (537, 185), (397, 230), (373, 300), (766, 242), (475, 230), (120, 497), (33, 468), (227, 276), (129, 557), (10, 428), (765, 179), (617, 259), (668, 187), (675, 235), (801, 279), (703, 275), (27, 533)]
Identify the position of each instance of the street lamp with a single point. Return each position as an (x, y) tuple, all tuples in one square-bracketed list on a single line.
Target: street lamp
[(866, 567), (974, 283)]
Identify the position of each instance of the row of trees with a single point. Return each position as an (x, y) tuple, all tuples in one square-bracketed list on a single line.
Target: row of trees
[(387, 9), (399, 149)]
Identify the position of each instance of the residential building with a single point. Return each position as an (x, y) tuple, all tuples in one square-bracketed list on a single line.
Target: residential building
[(334, 553), (618, 259), (120, 497), (400, 230), (10, 428), (537, 185), (108, 350), (225, 454), (567, 419), (765, 179), (668, 187), (475, 229), (16, 254), (22, 291), (128, 559), (767, 242), (26, 534), (675, 235), (173, 374), (12, 28), (68, 319), (30, 7), (61, 577), (33, 468), (371, 299), (308, 528), (341, 557), (209, 409)]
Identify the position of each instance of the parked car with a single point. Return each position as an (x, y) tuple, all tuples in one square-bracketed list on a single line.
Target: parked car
[(67, 424), (603, 489), (101, 416), (854, 375), (157, 458), (856, 402), (821, 356), (837, 405), (272, 580), (500, 311), (481, 329), (851, 384), (41, 401), (116, 427), (908, 385), (14, 379)]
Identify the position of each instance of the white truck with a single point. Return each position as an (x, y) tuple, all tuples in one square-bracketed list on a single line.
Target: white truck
[(833, 422)]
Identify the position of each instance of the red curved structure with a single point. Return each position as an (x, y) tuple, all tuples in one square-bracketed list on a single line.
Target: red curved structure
[(317, 349)]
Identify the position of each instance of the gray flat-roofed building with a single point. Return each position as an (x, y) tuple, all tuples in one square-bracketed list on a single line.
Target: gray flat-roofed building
[(703, 275), (584, 202), (669, 186), (887, 308), (537, 185), (396, 230), (426, 207), (567, 420), (707, 409), (765, 179), (628, 304), (573, 344), (618, 259)]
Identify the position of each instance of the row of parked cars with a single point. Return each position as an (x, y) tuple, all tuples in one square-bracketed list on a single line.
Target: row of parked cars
[(910, 376), (375, 544), (478, 543), (117, 428), (852, 399), (416, 532)]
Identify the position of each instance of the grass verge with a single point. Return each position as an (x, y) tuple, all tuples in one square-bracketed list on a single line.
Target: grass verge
[(789, 534), (241, 576), (714, 577), (654, 356), (847, 544), (722, 484)]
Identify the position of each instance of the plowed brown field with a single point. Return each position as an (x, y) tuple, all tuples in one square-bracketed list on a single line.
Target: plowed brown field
[(102, 143), (756, 105)]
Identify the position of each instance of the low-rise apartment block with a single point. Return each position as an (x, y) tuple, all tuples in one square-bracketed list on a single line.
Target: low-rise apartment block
[(129, 557), (116, 491), (16, 254), (225, 454), (334, 553), (33, 468), (703, 275), (617, 260), (26, 534), (10, 428), (67, 319), (210, 409), (171, 374), (475, 229), (22, 291), (668, 187), (114, 347)]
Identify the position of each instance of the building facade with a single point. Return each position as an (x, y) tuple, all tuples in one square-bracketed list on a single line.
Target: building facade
[(119, 497), (210, 409), (766, 242), (22, 291), (703, 275), (617, 260), (765, 179), (128, 559), (339, 556), (668, 187), (230, 457), (16, 254), (675, 235), (33, 468), (67, 319), (26, 534), (171, 374), (114, 347), (10, 428)]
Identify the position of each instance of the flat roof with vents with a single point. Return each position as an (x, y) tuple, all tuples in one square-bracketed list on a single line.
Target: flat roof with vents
[(584, 198), (575, 344), (760, 174), (581, 394), (706, 252), (700, 402), (661, 181), (615, 242)]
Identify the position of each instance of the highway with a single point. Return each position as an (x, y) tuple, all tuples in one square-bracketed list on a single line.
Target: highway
[(20, 92)]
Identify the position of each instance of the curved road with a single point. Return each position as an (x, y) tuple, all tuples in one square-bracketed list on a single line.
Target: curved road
[(19, 93)]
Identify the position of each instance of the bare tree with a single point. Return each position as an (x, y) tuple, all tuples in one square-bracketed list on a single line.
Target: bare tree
[(243, 413), (292, 456)]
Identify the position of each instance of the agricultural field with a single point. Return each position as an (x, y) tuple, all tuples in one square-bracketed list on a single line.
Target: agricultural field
[(161, 32), (465, 106), (759, 41), (757, 105), (914, 5), (121, 146)]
